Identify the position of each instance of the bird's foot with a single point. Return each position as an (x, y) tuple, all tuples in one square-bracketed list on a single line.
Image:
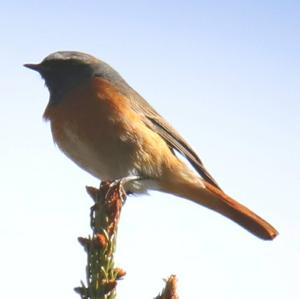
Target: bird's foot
[(125, 182)]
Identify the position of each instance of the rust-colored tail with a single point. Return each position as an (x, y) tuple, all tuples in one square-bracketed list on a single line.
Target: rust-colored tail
[(238, 213), (215, 199)]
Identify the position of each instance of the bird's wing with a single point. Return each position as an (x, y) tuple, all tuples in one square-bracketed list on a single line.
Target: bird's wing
[(158, 124)]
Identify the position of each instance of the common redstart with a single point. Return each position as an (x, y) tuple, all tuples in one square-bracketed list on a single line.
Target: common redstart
[(109, 130)]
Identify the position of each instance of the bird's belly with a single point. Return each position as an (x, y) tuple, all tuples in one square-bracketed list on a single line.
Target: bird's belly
[(103, 157)]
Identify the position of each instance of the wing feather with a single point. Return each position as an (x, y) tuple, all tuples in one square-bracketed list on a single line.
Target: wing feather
[(158, 124)]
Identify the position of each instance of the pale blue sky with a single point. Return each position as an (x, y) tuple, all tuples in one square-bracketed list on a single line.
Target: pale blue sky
[(226, 75)]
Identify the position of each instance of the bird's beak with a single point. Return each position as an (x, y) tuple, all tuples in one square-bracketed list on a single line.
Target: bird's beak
[(36, 67)]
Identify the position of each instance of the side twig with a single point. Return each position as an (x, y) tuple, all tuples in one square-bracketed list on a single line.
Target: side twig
[(169, 292)]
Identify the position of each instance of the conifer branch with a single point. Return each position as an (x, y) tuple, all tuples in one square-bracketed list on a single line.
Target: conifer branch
[(101, 273)]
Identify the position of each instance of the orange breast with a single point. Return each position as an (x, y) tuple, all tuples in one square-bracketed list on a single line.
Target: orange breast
[(95, 126)]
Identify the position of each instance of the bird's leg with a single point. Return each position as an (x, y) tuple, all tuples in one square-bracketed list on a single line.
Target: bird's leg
[(123, 182)]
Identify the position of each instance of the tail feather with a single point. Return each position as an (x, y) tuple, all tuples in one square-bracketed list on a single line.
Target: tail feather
[(215, 199), (240, 214)]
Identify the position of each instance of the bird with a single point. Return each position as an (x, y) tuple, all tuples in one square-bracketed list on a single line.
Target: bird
[(108, 129)]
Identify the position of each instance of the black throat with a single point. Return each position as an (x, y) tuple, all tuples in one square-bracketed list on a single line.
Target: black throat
[(61, 81)]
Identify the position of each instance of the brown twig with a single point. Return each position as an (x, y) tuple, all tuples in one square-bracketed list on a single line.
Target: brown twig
[(169, 292)]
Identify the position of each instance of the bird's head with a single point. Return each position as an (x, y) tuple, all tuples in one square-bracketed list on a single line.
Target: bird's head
[(64, 70)]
